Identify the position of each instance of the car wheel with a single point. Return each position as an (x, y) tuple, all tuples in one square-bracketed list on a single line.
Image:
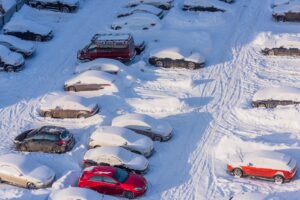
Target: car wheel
[(72, 88), (191, 65), (278, 179), (9, 68), (31, 186), (38, 38), (39, 6), (65, 9), (159, 63), (81, 116), (47, 114), (271, 53), (238, 173), (128, 195)]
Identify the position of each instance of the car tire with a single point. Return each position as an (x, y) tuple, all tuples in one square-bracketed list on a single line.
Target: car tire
[(39, 6), (159, 63), (278, 179), (65, 9), (47, 114), (128, 195), (38, 38), (31, 186), (9, 68), (71, 89), (237, 172), (191, 65), (81, 116)]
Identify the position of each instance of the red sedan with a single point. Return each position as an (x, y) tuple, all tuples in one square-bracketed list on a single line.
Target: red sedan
[(113, 181), (266, 165)]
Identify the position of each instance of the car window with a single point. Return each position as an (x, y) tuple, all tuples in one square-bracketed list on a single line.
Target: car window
[(92, 47), (108, 180), (96, 178), (38, 137), (51, 137)]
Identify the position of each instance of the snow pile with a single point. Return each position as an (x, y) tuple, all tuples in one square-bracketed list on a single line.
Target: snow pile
[(278, 93), (92, 77), (269, 40), (7, 4), (70, 179), (101, 64), (10, 57), (285, 8)]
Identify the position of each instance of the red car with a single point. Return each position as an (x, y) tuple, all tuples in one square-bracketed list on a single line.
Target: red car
[(114, 46), (269, 165), (113, 181)]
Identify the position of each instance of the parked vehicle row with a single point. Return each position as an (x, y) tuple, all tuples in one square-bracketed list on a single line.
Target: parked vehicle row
[(65, 6), (287, 12)]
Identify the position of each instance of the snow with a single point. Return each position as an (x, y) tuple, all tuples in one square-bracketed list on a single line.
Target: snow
[(101, 64), (76, 193), (285, 8), (174, 53), (129, 159), (270, 40), (92, 77), (208, 108), (278, 93), (7, 4), (142, 8), (66, 101), (18, 43), (107, 37), (145, 121), (9, 57), (20, 24), (207, 3)]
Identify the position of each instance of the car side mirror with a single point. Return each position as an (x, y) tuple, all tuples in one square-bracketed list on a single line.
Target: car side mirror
[(250, 164)]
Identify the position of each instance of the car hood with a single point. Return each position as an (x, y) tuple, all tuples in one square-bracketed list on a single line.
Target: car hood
[(135, 180), (143, 145), (163, 128), (13, 59), (42, 174), (138, 163)]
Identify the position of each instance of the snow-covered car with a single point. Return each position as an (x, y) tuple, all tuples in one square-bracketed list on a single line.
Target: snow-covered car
[(50, 139), (281, 51), (78, 193), (101, 64), (26, 48), (136, 21), (287, 12), (10, 61), (90, 81), (142, 8), (117, 157), (162, 4), (276, 96), (18, 170), (168, 57), (59, 105), (27, 29), (121, 137), (270, 165), (58, 5), (204, 5), (157, 130)]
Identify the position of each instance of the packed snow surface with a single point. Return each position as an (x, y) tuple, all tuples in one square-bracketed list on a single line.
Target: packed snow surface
[(278, 93)]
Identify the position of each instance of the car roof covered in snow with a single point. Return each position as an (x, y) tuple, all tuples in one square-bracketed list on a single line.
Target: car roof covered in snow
[(17, 42), (123, 133), (111, 36), (135, 119), (19, 24), (9, 56), (138, 16), (117, 152), (102, 64), (92, 77), (149, 1), (77, 193), (267, 156), (293, 6), (18, 161), (278, 93), (143, 7), (206, 3), (66, 101), (177, 53)]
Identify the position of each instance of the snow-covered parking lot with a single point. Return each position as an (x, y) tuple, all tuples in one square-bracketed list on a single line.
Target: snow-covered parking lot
[(209, 108)]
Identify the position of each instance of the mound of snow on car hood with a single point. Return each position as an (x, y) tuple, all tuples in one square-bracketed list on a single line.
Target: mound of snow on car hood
[(269, 40), (293, 6), (278, 93), (207, 3)]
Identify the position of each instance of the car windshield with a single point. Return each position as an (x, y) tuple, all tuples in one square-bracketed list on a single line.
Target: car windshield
[(120, 175)]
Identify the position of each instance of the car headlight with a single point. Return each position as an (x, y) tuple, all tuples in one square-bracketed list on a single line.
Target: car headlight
[(138, 189)]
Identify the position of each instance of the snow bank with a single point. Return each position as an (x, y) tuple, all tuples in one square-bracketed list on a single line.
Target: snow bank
[(70, 179), (101, 64), (269, 40), (278, 93)]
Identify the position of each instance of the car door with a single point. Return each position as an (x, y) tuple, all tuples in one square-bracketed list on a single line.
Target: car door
[(110, 185), (96, 183), (92, 51), (35, 143), (49, 143)]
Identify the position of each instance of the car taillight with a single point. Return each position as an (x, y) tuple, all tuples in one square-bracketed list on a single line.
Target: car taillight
[(62, 142)]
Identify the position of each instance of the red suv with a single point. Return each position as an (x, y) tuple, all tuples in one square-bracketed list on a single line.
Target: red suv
[(113, 181), (114, 46)]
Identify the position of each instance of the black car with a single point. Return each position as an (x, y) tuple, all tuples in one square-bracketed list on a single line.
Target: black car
[(57, 5), (273, 103), (50, 139), (281, 51)]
